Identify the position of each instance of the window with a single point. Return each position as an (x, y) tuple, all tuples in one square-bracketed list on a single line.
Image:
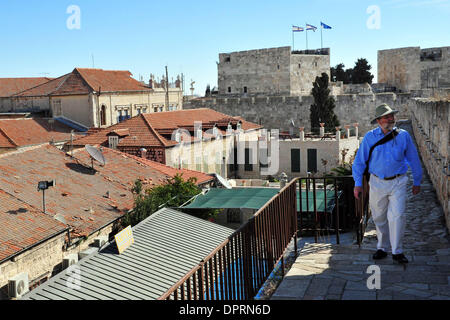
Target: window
[(57, 108), (234, 165), (229, 89), (245, 89), (103, 115), (312, 160), (248, 160), (113, 142), (295, 160), (227, 59)]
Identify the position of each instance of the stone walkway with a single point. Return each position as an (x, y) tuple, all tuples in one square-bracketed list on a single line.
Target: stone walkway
[(340, 272)]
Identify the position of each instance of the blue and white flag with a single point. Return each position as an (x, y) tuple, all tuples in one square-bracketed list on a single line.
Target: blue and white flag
[(323, 25), (297, 29), (311, 27)]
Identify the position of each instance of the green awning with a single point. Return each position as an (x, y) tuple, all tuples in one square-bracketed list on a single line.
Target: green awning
[(236, 198), (255, 198)]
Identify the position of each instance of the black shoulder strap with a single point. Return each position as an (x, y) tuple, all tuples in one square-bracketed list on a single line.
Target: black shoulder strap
[(385, 139)]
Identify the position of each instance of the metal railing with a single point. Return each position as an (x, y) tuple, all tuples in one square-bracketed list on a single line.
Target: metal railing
[(238, 267), (326, 206)]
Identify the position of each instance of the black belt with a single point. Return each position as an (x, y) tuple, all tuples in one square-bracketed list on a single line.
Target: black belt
[(389, 178)]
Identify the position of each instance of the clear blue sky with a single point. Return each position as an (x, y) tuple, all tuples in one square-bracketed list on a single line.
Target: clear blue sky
[(145, 36)]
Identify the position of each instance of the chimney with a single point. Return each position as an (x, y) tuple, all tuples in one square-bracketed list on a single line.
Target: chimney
[(143, 153)]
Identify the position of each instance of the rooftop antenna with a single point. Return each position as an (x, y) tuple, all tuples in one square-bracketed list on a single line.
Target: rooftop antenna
[(95, 155)]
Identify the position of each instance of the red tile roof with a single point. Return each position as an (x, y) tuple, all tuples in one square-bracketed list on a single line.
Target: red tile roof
[(85, 81), (23, 225), (79, 198), (44, 89), (147, 130), (10, 86), (110, 80), (27, 131), (185, 173)]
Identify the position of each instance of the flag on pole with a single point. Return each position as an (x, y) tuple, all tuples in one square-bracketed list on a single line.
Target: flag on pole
[(324, 26), (311, 27), (297, 29)]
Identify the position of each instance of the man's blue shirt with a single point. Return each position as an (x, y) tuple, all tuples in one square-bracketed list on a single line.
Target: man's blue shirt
[(387, 159)]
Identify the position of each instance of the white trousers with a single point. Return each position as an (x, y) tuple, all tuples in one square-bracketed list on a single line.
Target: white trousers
[(387, 200)]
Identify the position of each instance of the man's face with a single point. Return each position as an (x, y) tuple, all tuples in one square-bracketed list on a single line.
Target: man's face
[(387, 122)]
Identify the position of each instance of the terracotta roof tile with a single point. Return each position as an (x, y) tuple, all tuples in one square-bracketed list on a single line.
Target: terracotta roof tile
[(110, 80), (25, 132), (83, 199), (10, 86), (172, 172), (84, 81), (23, 225), (154, 129)]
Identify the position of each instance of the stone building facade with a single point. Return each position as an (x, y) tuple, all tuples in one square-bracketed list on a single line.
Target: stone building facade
[(413, 68), (273, 71)]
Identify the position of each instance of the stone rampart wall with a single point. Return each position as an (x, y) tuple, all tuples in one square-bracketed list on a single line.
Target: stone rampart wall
[(430, 122), (276, 112)]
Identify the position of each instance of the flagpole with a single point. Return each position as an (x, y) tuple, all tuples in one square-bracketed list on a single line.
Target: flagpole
[(293, 43), (306, 36), (321, 39)]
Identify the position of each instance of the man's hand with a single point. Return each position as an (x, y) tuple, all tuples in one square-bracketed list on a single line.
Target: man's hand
[(357, 191), (415, 190)]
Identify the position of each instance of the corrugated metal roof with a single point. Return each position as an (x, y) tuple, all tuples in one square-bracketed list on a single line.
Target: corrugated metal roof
[(167, 245)]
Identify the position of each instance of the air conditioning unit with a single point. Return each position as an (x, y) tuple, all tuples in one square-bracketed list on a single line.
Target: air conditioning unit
[(69, 260), (100, 241), (18, 285), (87, 252)]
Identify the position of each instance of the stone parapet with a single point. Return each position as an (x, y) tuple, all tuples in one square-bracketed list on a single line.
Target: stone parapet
[(430, 122)]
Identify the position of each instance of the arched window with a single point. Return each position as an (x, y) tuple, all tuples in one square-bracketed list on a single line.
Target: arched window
[(103, 116)]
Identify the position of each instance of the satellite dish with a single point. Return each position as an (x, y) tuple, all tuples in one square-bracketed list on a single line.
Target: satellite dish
[(95, 155), (223, 181)]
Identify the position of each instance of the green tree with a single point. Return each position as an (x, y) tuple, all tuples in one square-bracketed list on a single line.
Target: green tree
[(172, 194), (322, 109), (361, 72), (338, 73)]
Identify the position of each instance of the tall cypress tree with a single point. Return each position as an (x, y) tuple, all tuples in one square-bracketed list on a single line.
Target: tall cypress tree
[(322, 109)]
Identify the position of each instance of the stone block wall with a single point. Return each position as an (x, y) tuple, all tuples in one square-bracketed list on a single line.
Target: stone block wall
[(38, 262), (400, 68), (277, 111), (430, 122), (435, 68), (304, 70), (263, 70)]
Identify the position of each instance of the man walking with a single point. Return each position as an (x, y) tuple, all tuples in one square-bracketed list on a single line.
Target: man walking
[(387, 166)]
